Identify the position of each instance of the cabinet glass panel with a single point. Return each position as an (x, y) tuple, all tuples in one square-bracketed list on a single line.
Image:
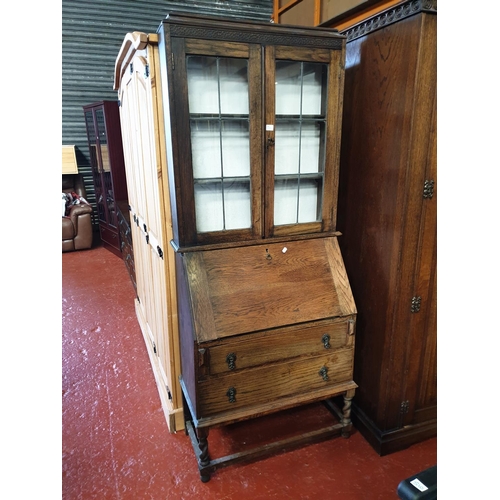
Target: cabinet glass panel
[(300, 132), (107, 188), (220, 141), (95, 163), (89, 120)]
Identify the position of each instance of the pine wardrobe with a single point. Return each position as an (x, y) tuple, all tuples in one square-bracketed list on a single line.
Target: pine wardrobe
[(231, 135)]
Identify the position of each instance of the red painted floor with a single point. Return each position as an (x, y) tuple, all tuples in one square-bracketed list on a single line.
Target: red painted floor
[(115, 440)]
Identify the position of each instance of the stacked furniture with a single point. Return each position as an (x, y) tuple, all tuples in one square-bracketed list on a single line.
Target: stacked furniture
[(232, 143), (387, 212)]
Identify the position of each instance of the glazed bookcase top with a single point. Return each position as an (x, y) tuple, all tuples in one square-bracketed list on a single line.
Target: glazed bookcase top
[(253, 113), (211, 27)]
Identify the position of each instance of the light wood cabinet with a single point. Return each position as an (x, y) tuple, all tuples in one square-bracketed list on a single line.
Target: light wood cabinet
[(137, 73), (258, 302), (387, 212), (69, 163)]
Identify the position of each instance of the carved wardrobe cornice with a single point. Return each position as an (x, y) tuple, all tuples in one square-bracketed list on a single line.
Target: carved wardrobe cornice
[(389, 16)]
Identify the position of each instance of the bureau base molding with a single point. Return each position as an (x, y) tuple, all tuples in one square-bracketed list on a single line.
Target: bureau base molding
[(173, 416), (386, 442), (198, 430)]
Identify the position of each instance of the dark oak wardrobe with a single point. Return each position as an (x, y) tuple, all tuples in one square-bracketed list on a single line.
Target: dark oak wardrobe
[(387, 214)]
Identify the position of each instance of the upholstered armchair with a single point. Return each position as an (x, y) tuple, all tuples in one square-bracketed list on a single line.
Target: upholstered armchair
[(77, 221)]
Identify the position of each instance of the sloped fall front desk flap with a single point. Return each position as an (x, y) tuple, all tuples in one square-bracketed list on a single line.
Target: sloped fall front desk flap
[(252, 288)]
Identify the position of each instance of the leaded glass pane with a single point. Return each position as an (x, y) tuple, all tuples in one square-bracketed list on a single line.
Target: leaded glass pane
[(220, 142), (299, 141)]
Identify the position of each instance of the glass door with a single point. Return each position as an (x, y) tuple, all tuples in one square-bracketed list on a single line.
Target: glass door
[(95, 161), (224, 106), (263, 137), (220, 142), (299, 156), (106, 183), (299, 137)]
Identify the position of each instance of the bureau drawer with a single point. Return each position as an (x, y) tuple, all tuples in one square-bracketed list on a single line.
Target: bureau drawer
[(253, 350), (269, 383)]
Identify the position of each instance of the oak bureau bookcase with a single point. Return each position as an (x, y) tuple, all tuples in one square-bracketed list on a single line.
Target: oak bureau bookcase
[(250, 136)]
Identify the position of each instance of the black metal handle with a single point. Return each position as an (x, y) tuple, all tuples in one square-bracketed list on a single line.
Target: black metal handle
[(231, 394), (230, 359), (326, 341), (324, 372)]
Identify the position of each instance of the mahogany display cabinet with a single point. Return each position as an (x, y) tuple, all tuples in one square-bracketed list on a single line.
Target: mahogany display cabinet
[(102, 122)]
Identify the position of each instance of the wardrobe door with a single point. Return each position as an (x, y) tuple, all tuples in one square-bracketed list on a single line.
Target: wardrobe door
[(414, 387), (133, 157), (421, 387)]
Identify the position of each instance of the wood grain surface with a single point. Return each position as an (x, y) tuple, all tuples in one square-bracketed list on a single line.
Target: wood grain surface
[(267, 286)]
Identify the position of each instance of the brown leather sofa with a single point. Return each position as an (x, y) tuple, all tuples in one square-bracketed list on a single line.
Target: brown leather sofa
[(77, 225)]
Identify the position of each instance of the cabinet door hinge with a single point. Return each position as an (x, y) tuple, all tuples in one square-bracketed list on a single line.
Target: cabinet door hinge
[(169, 394), (428, 189), (154, 348), (146, 71), (160, 251), (119, 103), (405, 407), (415, 304), (173, 60), (131, 68)]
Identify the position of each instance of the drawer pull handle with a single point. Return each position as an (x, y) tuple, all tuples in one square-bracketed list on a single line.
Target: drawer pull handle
[(326, 340), (231, 394), (230, 359), (324, 372)]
